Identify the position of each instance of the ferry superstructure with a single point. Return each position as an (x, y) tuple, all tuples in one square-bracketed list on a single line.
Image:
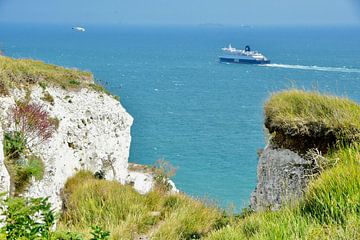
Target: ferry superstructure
[(233, 55)]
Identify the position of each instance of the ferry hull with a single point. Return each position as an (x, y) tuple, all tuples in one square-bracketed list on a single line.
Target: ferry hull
[(243, 61)]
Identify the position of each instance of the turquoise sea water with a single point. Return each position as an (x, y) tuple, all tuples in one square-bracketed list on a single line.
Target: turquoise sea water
[(206, 118)]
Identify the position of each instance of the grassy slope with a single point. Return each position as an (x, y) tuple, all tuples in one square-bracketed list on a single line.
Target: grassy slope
[(128, 214), (24, 73)]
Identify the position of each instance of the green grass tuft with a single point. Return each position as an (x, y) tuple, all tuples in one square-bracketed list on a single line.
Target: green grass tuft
[(334, 195)]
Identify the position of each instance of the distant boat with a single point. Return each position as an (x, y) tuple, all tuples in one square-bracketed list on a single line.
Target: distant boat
[(233, 55), (79, 29)]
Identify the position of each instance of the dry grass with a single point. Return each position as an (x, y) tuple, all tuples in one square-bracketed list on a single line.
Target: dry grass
[(24, 73), (127, 214)]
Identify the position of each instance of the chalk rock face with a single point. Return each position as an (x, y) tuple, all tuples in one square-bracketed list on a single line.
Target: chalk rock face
[(93, 134), (282, 176), (142, 182), (4, 174)]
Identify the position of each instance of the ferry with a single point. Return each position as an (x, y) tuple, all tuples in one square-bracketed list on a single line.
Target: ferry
[(233, 55)]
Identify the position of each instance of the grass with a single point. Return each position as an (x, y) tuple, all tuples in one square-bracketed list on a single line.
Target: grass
[(310, 113), (329, 210), (23, 73), (311, 119), (127, 214)]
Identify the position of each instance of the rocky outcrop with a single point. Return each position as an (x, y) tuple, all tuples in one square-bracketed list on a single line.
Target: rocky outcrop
[(93, 134), (282, 177)]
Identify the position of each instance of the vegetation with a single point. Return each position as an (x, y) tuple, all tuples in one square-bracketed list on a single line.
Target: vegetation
[(32, 126), (27, 218), (21, 168), (48, 98), (311, 113), (23, 73), (33, 218), (330, 209), (32, 122), (301, 120), (127, 214), (331, 205), (296, 119), (163, 171)]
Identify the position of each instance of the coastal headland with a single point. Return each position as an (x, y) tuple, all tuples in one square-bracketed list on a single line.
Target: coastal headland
[(65, 138)]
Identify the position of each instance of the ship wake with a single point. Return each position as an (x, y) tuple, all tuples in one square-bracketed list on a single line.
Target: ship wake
[(314, 68)]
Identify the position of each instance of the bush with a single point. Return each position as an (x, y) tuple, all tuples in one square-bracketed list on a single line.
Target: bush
[(21, 167), (33, 218), (48, 98), (27, 218), (163, 171), (99, 234), (33, 122)]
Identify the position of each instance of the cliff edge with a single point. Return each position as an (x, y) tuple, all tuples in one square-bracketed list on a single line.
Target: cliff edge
[(92, 128), (302, 126)]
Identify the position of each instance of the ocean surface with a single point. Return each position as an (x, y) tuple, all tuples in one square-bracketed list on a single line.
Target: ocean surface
[(205, 117)]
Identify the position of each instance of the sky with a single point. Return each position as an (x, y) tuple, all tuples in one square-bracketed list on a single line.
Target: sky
[(182, 12)]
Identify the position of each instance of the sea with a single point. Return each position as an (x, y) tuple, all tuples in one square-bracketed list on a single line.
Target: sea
[(202, 116)]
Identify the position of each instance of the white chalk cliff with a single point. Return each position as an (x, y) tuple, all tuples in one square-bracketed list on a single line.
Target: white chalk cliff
[(93, 134)]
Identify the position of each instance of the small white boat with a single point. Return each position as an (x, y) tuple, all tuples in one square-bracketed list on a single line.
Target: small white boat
[(79, 29)]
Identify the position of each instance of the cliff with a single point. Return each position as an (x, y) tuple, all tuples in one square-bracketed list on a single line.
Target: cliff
[(93, 129), (302, 128), (308, 172)]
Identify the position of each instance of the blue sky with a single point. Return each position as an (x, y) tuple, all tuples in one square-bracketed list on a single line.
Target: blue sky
[(182, 12)]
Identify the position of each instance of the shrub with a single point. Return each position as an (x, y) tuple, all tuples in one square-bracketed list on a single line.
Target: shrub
[(74, 82), (99, 234), (58, 235), (27, 218), (33, 122), (33, 218), (43, 85), (48, 98), (163, 171), (22, 170)]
